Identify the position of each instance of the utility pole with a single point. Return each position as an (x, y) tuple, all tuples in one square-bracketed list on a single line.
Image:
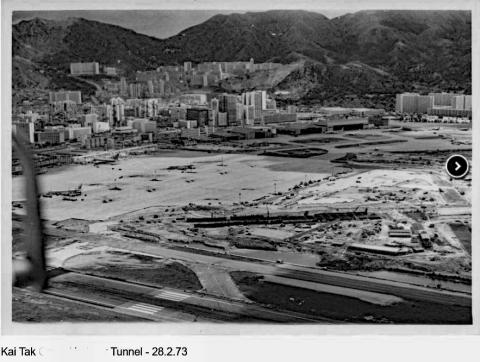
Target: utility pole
[(274, 188)]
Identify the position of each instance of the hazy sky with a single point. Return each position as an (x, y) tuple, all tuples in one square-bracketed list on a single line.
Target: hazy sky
[(158, 23)]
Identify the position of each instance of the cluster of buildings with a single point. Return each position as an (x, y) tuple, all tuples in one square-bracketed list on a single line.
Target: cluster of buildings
[(438, 104), (130, 121), (124, 122), (171, 80), (141, 111), (69, 119), (179, 105), (92, 125), (229, 116), (210, 73)]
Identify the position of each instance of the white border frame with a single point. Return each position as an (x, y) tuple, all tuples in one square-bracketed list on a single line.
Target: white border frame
[(137, 329)]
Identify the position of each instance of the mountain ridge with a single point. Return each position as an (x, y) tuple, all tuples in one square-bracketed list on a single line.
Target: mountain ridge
[(412, 50)]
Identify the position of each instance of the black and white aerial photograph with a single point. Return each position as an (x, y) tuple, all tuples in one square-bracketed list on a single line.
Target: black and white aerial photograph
[(256, 167)]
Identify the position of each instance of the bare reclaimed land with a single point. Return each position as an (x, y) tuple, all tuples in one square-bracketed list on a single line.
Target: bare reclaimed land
[(209, 181)]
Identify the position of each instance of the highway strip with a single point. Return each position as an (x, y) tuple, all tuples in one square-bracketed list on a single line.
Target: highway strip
[(347, 280), (141, 310), (100, 290)]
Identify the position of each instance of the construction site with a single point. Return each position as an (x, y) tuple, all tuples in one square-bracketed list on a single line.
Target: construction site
[(367, 227)]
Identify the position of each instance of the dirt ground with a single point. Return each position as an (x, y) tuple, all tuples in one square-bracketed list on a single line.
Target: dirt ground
[(136, 268), (347, 309)]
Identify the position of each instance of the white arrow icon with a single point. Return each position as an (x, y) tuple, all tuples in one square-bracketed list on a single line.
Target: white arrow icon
[(455, 165)]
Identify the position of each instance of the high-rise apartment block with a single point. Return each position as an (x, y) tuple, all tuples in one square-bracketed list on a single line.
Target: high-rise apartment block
[(187, 66), (413, 103), (150, 89), (442, 99), (64, 96), (424, 104), (228, 104), (448, 104), (135, 90), (123, 86), (214, 104), (201, 115), (118, 110), (90, 68), (462, 102), (257, 99)]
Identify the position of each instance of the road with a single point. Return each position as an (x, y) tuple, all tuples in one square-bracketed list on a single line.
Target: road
[(141, 310), (162, 304), (399, 289), (217, 281)]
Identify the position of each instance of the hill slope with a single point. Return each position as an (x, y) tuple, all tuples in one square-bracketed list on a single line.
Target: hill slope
[(419, 46), (55, 44), (271, 35)]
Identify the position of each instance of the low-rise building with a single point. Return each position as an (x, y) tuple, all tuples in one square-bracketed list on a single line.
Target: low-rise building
[(87, 120), (143, 125), (298, 128), (50, 137), (379, 121), (187, 124), (253, 132), (78, 133), (193, 99), (100, 127), (448, 111), (94, 142), (110, 70), (346, 123), (379, 249), (279, 117)]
